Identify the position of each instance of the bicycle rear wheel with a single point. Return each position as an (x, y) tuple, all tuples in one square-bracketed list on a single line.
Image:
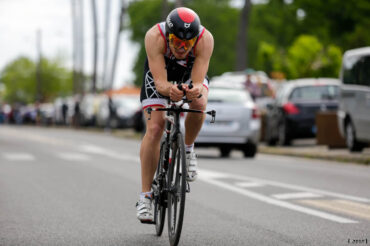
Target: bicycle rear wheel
[(159, 184), (177, 190)]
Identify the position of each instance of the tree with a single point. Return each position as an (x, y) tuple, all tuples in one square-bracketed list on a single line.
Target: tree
[(308, 57), (143, 15), (274, 23), (344, 23), (302, 56), (19, 78), (267, 58)]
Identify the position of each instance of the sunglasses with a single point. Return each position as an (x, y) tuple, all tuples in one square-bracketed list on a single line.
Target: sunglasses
[(180, 43)]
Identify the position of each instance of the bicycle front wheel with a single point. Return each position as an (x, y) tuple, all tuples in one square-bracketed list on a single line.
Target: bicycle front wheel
[(158, 186), (176, 190)]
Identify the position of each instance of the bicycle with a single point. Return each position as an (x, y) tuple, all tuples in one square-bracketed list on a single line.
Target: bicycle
[(170, 185)]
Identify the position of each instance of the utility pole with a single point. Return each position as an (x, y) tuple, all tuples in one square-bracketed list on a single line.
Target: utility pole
[(117, 45), (241, 62), (165, 10), (106, 43), (81, 53), (38, 69), (74, 45), (95, 61), (179, 4)]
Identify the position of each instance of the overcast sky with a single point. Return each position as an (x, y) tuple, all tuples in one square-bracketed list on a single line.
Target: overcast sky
[(20, 20)]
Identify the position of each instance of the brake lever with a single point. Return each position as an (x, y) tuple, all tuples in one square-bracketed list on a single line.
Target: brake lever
[(149, 111), (213, 114)]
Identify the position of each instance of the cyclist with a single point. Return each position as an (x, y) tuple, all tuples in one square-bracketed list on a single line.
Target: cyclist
[(178, 49)]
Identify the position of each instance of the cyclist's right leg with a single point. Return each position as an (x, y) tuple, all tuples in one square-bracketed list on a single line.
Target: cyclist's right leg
[(150, 145), (149, 150), (149, 156)]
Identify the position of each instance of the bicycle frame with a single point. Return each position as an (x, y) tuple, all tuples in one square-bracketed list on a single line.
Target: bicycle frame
[(173, 124), (164, 189)]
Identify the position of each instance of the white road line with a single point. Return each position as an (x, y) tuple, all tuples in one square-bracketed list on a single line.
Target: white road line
[(297, 195), (293, 187), (249, 184), (208, 179), (73, 157), (14, 133), (19, 157), (93, 149), (341, 206)]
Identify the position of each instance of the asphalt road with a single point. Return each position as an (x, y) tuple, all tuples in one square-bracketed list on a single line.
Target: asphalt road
[(68, 187)]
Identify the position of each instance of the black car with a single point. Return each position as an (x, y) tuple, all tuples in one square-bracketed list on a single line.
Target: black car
[(292, 114)]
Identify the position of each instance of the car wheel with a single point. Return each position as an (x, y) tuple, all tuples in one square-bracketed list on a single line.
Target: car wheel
[(351, 141), (284, 139), (225, 151), (250, 150)]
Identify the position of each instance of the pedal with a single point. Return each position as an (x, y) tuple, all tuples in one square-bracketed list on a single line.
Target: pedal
[(187, 187), (147, 222)]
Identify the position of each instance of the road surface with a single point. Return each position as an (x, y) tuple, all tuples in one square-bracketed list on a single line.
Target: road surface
[(69, 187)]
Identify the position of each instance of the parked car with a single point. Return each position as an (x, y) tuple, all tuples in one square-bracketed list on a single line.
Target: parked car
[(139, 121), (28, 114), (103, 112), (263, 87), (47, 112), (292, 114), (89, 106), (237, 123), (64, 105), (124, 107), (354, 102)]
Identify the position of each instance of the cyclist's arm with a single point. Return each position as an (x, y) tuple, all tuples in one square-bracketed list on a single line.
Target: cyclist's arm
[(155, 47), (203, 54)]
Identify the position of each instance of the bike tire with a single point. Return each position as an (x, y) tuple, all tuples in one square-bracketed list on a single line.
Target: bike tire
[(159, 199), (177, 190)]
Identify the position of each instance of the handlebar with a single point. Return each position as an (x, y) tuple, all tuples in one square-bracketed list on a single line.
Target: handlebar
[(212, 113), (179, 86), (177, 106)]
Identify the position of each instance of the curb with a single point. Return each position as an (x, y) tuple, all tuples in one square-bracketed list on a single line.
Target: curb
[(313, 153)]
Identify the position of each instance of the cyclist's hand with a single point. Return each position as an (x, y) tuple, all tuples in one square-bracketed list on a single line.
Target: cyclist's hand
[(194, 93), (176, 94)]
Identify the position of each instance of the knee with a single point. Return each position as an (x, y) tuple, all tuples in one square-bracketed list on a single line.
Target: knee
[(199, 104), (155, 131)]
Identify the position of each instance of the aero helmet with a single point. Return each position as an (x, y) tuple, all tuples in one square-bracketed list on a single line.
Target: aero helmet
[(183, 22)]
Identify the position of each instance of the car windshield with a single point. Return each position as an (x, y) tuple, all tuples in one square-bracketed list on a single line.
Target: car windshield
[(228, 95), (318, 92)]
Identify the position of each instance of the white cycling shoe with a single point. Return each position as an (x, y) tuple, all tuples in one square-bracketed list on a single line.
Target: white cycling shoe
[(191, 166), (144, 210)]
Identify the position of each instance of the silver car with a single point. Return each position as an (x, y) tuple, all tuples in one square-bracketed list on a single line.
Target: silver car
[(237, 123), (354, 102)]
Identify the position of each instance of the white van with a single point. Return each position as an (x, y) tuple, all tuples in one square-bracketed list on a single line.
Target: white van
[(354, 101)]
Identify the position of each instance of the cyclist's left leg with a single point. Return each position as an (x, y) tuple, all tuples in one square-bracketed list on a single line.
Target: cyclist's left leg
[(193, 124)]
